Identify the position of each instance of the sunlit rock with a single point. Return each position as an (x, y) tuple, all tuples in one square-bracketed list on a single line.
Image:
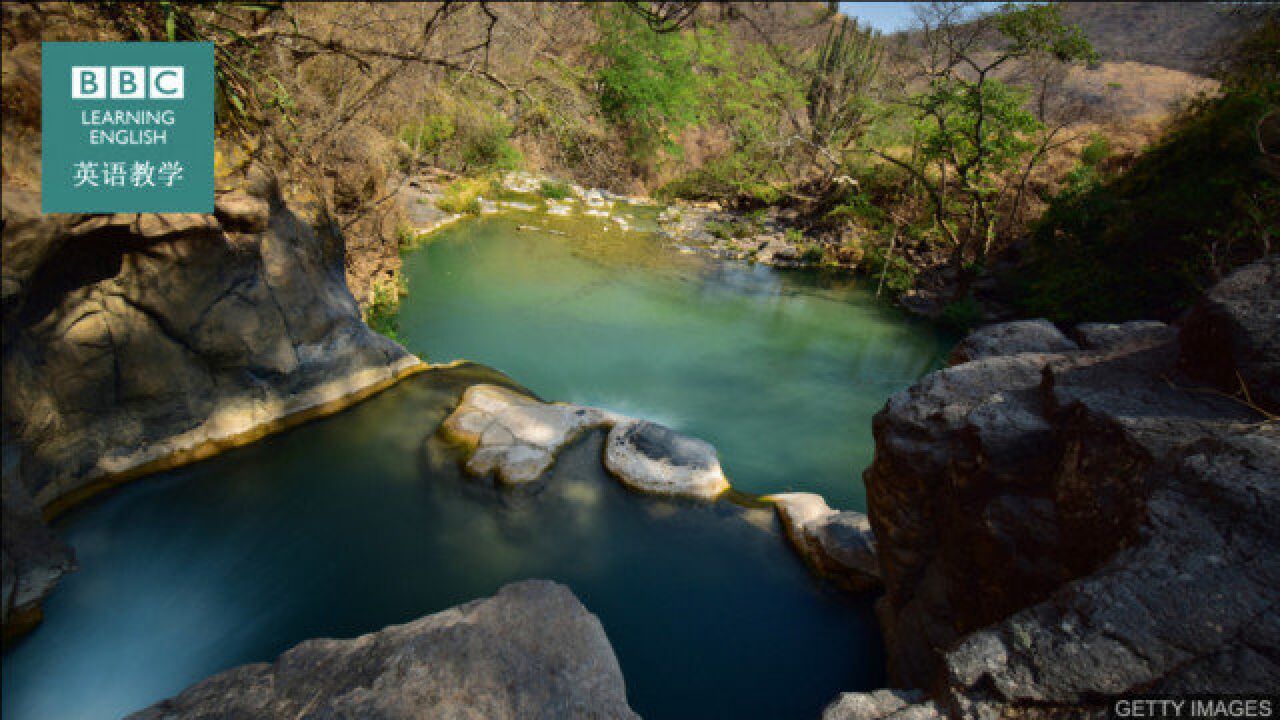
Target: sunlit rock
[(513, 436), (516, 438), (654, 458), (838, 545)]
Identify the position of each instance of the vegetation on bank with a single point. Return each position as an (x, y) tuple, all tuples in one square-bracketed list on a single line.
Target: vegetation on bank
[(932, 159)]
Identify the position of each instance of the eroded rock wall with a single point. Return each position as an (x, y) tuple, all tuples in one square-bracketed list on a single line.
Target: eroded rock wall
[(129, 339)]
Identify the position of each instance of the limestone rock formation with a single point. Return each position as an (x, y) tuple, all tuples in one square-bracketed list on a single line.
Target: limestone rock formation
[(531, 651), (1058, 528), (652, 458), (516, 437), (131, 340), (838, 545)]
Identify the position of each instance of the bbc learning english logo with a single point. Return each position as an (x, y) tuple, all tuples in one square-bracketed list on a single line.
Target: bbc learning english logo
[(128, 127)]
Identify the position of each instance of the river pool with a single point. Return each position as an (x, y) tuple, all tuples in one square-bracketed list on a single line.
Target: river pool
[(362, 519)]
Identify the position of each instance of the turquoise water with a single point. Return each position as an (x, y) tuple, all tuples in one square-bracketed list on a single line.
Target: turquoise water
[(363, 519), (350, 523), (781, 371)]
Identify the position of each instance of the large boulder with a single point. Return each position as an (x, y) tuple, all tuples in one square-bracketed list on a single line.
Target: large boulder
[(1058, 529), (1019, 336), (1229, 340), (135, 340), (838, 545), (531, 651)]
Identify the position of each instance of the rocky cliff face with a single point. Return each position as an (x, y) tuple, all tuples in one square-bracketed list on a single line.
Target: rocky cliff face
[(531, 651), (134, 340), (1062, 521)]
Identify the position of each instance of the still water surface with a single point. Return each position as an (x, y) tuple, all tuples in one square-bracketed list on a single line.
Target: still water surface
[(350, 523), (781, 371)]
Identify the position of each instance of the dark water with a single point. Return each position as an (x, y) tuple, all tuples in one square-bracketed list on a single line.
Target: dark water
[(348, 524), (357, 521), (781, 371)]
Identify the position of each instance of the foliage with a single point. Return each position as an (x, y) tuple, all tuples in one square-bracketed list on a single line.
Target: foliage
[(973, 134), (1098, 149), (554, 190), (462, 196), (1146, 243), (733, 226), (898, 273), (383, 312), (838, 97), (429, 135), (486, 145), (406, 236), (811, 254), (648, 85)]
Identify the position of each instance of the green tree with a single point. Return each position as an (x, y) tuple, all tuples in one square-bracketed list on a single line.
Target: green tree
[(648, 85), (974, 131)]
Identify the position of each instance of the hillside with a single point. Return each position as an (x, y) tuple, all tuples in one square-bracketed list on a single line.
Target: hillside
[(1177, 35)]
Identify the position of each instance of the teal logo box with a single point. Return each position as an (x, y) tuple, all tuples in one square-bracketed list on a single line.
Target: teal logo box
[(128, 127)]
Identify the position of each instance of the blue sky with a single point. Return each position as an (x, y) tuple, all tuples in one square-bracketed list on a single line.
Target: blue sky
[(889, 17)]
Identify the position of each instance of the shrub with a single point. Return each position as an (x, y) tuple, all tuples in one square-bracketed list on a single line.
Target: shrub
[(1098, 149), (382, 315), (430, 134), (486, 145), (812, 254), (462, 196), (553, 190)]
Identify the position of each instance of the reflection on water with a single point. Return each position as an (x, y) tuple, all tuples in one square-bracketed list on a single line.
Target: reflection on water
[(781, 371), (360, 520)]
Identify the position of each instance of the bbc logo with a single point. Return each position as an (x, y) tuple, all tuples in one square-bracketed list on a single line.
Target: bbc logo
[(158, 82)]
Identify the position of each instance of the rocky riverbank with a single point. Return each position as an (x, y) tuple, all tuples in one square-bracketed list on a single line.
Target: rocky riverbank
[(1060, 521), (137, 342)]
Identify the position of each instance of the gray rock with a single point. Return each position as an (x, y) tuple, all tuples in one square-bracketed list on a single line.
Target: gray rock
[(1117, 336), (1229, 339), (1021, 336), (1057, 529), (135, 340), (515, 436), (531, 651), (838, 545), (652, 458)]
